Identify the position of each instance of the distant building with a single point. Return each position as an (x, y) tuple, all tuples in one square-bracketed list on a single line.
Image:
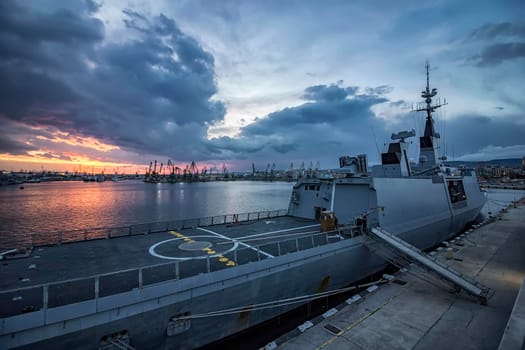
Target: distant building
[(523, 163)]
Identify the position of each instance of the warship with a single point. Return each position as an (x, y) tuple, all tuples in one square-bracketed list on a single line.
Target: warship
[(187, 283)]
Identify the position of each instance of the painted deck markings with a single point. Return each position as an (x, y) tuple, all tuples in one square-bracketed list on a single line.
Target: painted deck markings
[(213, 253), (236, 241), (208, 252), (278, 231)]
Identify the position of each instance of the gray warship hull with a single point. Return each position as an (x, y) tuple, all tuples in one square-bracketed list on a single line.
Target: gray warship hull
[(275, 279), (152, 315), (225, 277)]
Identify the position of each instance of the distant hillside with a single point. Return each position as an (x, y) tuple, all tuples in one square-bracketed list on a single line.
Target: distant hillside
[(509, 163)]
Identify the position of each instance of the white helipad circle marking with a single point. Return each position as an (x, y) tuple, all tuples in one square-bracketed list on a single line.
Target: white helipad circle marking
[(153, 247)]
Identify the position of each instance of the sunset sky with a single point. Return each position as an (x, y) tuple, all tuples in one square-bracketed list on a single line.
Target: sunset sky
[(114, 85)]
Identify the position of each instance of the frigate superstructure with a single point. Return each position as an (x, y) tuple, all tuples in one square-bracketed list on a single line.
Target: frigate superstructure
[(184, 284), (423, 203)]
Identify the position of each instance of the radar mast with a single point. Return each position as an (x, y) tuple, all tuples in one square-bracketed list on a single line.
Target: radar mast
[(428, 157)]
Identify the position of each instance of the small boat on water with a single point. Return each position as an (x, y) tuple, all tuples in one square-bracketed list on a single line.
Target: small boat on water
[(185, 284)]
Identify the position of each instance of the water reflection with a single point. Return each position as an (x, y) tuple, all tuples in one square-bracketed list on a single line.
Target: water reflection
[(72, 205)]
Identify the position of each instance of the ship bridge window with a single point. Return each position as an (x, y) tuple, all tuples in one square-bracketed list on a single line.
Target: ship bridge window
[(390, 158), (425, 142), (394, 147), (456, 191), (312, 187)]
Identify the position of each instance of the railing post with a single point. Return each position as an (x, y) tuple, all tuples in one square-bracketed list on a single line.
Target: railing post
[(97, 288), (258, 253), (235, 257), (279, 248), (85, 235), (32, 240), (177, 271), (297, 244), (208, 263), (312, 237), (212, 220), (140, 278), (45, 300)]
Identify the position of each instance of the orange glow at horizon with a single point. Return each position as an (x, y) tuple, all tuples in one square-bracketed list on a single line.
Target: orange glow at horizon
[(79, 161), (84, 164), (77, 164), (88, 142)]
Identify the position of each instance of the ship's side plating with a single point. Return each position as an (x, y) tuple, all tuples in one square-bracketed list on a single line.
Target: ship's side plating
[(147, 320)]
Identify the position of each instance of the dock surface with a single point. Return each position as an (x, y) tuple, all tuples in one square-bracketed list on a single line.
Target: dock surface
[(419, 311)]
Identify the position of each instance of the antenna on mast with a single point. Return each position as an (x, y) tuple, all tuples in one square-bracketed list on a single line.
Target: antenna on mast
[(429, 141)]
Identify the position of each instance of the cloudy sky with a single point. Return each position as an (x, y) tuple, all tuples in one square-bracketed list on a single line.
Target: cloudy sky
[(114, 85)]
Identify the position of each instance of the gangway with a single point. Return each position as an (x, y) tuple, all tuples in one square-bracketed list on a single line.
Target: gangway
[(443, 271)]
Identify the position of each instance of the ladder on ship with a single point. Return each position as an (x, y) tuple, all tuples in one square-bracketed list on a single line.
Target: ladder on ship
[(381, 240)]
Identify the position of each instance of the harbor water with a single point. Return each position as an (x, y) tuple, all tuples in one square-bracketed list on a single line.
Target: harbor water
[(61, 206), (69, 205)]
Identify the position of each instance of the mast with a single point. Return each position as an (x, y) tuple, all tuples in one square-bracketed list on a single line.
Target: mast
[(428, 151)]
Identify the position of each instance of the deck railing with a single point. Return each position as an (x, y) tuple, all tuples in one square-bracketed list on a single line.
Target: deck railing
[(59, 237), (55, 294)]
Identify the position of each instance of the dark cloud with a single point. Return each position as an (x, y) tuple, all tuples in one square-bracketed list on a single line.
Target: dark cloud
[(62, 26), (284, 148), (14, 147), (332, 92), (380, 90), (92, 6), (399, 103), (482, 131), (320, 112), (494, 51), (54, 156), (338, 121), (491, 31), (237, 146), (151, 93), (497, 53)]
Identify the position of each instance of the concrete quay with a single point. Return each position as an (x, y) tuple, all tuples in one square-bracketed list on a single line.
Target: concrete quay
[(418, 311), (514, 335)]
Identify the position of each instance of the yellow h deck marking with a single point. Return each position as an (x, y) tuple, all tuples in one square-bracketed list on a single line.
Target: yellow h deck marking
[(207, 250)]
